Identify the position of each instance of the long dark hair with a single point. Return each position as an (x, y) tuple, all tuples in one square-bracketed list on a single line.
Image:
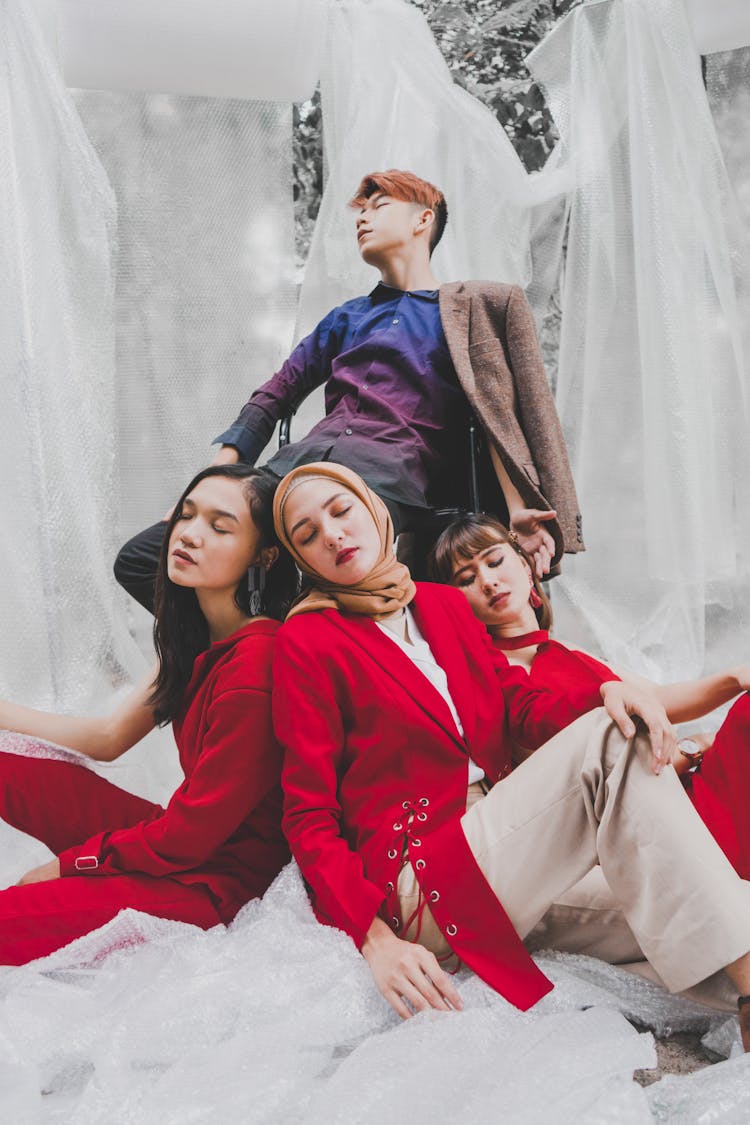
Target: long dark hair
[(180, 629)]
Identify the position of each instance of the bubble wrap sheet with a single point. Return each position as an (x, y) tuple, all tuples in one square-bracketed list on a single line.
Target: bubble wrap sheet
[(276, 1020)]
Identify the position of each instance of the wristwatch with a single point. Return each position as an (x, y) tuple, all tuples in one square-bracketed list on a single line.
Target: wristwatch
[(690, 749)]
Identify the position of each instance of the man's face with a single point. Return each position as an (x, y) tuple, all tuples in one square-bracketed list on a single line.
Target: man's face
[(385, 226)]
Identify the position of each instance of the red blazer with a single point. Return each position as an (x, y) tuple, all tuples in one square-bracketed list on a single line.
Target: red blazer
[(368, 741), (222, 826)]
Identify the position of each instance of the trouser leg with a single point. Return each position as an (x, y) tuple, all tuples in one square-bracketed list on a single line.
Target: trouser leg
[(589, 796), (137, 563), (63, 804), (586, 919), (39, 918)]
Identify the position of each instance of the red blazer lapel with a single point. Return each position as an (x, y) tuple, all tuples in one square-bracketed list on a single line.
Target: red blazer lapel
[(404, 673), (449, 651)]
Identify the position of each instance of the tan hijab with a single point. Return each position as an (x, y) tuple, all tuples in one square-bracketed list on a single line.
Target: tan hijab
[(386, 589)]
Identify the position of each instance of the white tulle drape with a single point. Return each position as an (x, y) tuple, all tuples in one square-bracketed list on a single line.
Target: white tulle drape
[(62, 624), (135, 319), (652, 384), (389, 102)]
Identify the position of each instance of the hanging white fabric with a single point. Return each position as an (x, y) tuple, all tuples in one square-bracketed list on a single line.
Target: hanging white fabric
[(652, 386), (389, 101), (64, 637)]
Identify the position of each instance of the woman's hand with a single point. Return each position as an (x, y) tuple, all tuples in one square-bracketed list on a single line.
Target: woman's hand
[(622, 700), (407, 975), (43, 874)]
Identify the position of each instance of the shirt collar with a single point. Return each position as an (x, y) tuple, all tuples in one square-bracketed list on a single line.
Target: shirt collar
[(383, 292)]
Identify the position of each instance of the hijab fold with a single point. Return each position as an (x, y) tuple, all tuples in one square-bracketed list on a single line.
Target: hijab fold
[(387, 588)]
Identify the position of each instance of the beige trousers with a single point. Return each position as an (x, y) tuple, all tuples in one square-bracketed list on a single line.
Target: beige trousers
[(589, 797)]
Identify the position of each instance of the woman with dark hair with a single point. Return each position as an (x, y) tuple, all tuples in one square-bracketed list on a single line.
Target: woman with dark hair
[(410, 828), (223, 583)]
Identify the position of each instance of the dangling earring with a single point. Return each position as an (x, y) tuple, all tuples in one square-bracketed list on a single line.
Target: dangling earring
[(256, 586), (534, 600)]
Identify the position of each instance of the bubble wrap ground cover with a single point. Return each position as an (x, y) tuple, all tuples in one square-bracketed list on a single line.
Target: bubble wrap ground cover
[(276, 1020)]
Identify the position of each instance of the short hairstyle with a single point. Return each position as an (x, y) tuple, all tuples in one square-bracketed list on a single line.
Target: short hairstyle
[(469, 535), (409, 188)]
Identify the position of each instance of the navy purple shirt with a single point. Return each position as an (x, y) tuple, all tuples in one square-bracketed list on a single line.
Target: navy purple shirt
[(395, 412)]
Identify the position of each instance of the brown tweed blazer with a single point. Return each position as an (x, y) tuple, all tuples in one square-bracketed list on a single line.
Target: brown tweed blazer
[(490, 331)]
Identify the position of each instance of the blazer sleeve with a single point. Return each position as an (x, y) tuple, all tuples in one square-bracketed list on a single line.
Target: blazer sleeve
[(539, 418), (309, 724), (533, 712), (237, 768)]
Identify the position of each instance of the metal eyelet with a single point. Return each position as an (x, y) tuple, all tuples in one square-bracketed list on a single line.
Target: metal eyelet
[(404, 804), (392, 853), (421, 816), (420, 865), (397, 826), (389, 888), (417, 843), (435, 896), (451, 930), (424, 801), (395, 923)]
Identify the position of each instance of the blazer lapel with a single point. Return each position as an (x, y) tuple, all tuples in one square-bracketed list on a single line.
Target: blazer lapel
[(441, 636), (455, 303), (405, 675)]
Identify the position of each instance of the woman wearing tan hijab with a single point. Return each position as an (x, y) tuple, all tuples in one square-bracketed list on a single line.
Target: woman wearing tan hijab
[(413, 835)]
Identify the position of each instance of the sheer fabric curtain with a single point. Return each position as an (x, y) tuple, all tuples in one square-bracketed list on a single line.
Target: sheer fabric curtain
[(62, 621), (652, 382), (128, 341), (146, 288), (389, 101)]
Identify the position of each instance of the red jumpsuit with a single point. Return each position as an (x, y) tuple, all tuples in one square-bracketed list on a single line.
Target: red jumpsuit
[(718, 788), (216, 845)]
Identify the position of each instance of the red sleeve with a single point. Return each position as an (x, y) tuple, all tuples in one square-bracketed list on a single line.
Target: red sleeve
[(600, 671), (309, 725), (534, 713), (237, 767)]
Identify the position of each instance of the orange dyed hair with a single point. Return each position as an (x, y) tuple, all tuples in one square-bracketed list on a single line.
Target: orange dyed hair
[(408, 187)]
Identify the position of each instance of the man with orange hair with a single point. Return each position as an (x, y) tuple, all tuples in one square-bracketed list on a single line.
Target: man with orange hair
[(403, 369)]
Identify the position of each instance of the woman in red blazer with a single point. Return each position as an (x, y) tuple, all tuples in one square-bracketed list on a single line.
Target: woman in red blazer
[(390, 702), (218, 843), (479, 556)]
